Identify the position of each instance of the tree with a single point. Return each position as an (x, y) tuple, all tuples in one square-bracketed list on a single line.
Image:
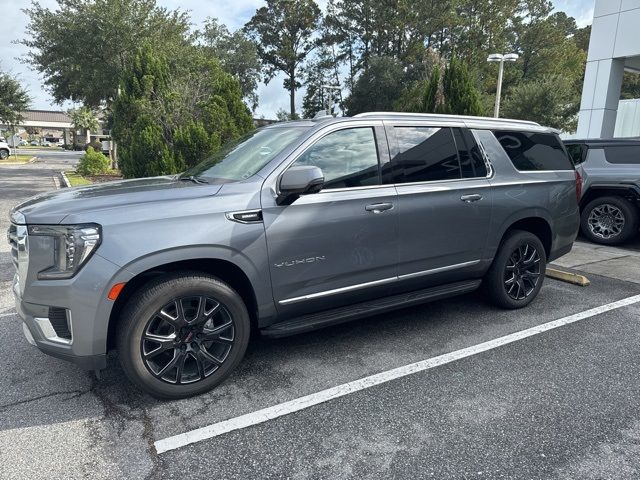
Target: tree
[(32, 132), (451, 92), (172, 114), (83, 119), (378, 88), (14, 100), (283, 31), (461, 97), (83, 47), (237, 54), (551, 101)]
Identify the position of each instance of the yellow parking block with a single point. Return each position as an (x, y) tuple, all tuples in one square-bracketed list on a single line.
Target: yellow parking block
[(568, 277)]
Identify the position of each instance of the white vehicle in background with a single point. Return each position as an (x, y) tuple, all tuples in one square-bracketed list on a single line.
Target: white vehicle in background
[(4, 150)]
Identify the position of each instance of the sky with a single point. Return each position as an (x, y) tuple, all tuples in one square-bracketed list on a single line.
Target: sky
[(234, 13)]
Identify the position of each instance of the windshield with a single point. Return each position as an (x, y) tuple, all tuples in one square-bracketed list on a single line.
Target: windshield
[(244, 157)]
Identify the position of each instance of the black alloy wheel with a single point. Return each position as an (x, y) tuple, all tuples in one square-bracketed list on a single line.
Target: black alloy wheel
[(522, 272), (187, 339), (517, 272), (182, 334)]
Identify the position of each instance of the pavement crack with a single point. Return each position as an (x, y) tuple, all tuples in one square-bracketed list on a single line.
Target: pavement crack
[(120, 415), (72, 393)]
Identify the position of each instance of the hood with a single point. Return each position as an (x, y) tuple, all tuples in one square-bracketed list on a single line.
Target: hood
[(53, 207)]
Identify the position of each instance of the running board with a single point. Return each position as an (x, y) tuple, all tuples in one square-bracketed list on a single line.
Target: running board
[(315, 321)]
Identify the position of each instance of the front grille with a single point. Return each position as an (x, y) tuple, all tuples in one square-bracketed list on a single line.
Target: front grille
[(12, 235), (59, 322)]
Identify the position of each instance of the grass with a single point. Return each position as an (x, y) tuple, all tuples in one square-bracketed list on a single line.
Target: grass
[(32, 147), (12, 159), (76, 180)]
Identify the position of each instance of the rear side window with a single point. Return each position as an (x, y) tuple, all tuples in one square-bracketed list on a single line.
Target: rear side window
[(472, 163), (423, 154), (530, 151), (577, 152), (628, 154)]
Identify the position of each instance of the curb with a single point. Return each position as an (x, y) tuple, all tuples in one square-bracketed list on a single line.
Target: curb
[(568, 277), (65, 180), (31, 160)]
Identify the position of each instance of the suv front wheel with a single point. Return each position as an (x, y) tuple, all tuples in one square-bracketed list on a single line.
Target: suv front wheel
[(517, 271), (182, 335), (609, 220)]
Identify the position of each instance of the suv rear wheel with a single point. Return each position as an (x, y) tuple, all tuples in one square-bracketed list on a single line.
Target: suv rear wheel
[(4, 154), (609, 220), (517, 271), (182, 335)]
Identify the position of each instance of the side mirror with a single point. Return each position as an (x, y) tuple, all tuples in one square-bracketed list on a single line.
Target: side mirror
[(299, 180)]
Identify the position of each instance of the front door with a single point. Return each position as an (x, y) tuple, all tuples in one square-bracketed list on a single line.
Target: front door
[(330, 248)]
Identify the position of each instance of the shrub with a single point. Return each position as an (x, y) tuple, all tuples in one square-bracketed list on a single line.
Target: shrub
[(96, 145), (93, 163)]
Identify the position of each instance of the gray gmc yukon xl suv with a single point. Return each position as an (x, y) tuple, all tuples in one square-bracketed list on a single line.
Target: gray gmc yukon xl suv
[(297, 226)]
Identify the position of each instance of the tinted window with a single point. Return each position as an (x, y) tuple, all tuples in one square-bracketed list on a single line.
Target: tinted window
[(627, 154), (423, 154), (347, 158), (576, 152), (471, 161), (534, 151)]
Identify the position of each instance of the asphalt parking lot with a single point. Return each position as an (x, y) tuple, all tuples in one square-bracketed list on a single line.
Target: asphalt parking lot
[(561, 403)]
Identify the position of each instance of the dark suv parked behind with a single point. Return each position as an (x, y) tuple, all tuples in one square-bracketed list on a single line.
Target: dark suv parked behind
[(610, 205), (296, 226)]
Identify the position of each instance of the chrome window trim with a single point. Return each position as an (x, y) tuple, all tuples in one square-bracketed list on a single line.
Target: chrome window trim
[(384, 281)]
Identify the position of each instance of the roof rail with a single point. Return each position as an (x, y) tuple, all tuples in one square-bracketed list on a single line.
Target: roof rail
[(452, 117)]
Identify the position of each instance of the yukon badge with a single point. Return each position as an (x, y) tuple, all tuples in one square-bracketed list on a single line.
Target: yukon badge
[(302, 261)]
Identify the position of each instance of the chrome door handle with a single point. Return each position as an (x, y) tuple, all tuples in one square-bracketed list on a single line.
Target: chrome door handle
[(378, 207), (473, 197)]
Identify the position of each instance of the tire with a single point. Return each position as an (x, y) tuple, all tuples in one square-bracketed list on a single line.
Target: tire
[(4, 154), (203, 327), (528, 272), (609, 220)]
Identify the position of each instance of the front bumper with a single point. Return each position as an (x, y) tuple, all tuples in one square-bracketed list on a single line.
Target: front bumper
[(88, 310)]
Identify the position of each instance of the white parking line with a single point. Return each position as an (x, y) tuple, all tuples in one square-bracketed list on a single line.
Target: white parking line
[(270, 413), (2, 315)]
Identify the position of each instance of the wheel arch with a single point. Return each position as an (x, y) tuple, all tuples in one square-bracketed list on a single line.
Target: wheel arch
[(224, 269), (535, 222), (628, 192)]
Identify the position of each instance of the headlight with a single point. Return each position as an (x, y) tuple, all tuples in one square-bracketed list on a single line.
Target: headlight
[(73, 245)]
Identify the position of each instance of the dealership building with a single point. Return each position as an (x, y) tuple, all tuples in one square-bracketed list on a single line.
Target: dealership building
[(613, 49)]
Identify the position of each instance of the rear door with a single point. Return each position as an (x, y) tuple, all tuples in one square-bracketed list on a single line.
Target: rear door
[(444, 200)]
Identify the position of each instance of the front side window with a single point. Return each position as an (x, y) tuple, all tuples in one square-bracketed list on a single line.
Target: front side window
[(532, 151), (423, 154), (629, 155), (347, 158)]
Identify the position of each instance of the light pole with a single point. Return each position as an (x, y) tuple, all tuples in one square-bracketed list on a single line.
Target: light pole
[(498, 57), (330, 89)]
